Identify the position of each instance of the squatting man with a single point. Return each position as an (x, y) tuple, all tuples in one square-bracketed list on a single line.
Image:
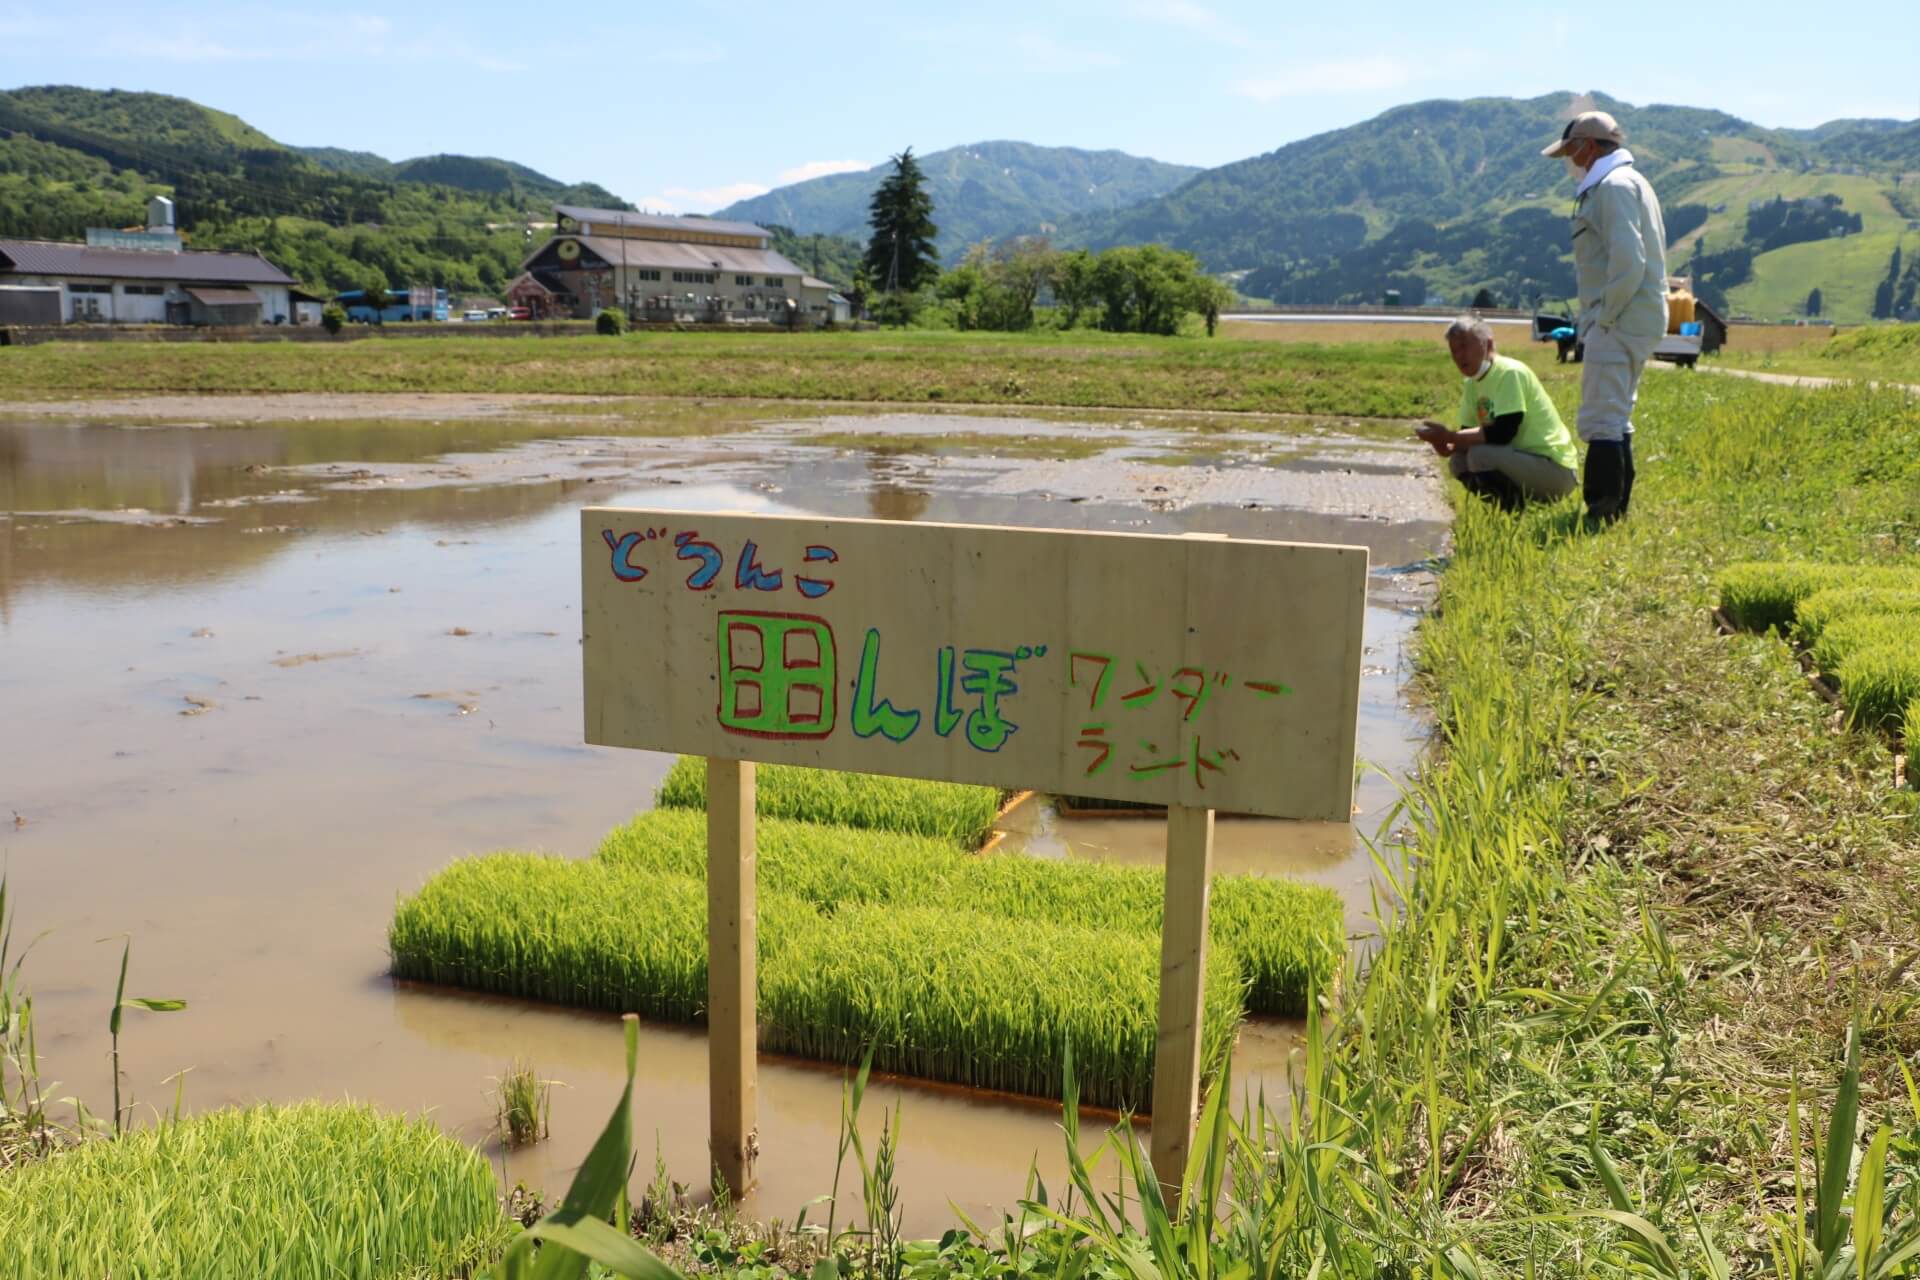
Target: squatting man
[(1511, 447)]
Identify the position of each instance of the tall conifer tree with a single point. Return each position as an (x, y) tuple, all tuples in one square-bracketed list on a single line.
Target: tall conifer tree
[(900, 255)]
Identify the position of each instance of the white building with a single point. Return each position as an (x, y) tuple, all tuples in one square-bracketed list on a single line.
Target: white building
[(673, 269), (148, 277)]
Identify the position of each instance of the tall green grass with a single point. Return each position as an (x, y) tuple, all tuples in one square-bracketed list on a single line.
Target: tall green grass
[(944, 989), (1288, 936), (952, 811), (300, 1192)]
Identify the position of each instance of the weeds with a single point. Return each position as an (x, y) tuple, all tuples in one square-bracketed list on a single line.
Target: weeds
[(523, 1105)]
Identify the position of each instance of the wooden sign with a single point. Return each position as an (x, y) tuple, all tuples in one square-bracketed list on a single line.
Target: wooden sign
[(1190, 671)]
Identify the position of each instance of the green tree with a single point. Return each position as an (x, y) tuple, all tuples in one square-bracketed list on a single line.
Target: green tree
[(1147, 288), (860, 290), (333, 317), (1814, 301), (1073, 285), (1883, 293), (900, 253), (1483, 299), (1208, 297)]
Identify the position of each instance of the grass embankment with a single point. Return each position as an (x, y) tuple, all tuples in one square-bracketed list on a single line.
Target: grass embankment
[(1654, 883), (1079, 369), (267, 1192), (1876, 352), (975, 969)]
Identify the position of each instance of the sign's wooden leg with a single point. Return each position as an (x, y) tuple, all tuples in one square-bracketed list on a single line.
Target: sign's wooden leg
[(732, 1060), (1183, 977)]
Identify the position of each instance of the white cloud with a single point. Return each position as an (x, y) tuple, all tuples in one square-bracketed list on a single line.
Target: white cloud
[(821, 168), (1335, 75), (1043, 51), (188, 46), (699, 199), (1182, 13)]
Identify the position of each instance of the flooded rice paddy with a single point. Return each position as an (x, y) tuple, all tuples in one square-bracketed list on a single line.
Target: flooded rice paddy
[(265, 665)]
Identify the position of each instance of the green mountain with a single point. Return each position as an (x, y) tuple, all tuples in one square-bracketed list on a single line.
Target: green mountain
[(987, 191), (1439, 199), (364, 164), (71, 158)]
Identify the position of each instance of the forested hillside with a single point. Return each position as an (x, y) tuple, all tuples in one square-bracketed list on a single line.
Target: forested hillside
[(71, 158), (987, 191), (1440, 199)]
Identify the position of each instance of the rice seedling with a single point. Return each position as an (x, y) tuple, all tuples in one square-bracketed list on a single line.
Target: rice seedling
[(1841, 638), (1818, 611), (1289, 937), (301, 1191), (574, 933), (1758, 596), (523, 1105), (946, 995), (952, 811), (1879, 682), (1761, 595)]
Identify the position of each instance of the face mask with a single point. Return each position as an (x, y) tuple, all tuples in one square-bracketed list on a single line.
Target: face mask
[(1575, 171), (1486, 366)]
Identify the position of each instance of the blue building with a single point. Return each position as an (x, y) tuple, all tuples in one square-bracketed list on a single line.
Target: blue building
[(417, 303)]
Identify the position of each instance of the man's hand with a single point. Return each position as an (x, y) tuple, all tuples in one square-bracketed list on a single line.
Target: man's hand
[(1437, 435)]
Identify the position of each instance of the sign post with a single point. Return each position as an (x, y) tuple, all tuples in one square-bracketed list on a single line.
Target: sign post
[(1198, 673), (732, 934)]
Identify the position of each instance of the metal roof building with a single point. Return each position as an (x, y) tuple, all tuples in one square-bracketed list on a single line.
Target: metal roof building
[(158, 285), (663, 268)]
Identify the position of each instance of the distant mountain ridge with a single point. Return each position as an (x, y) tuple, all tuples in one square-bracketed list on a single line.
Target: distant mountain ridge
[(1433, 199), (984, 191), (1445, 197)]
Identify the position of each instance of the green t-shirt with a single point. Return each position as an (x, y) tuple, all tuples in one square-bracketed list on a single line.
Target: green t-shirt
[(1511, 387)]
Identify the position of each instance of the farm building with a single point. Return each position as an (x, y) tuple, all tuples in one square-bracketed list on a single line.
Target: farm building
[(668, 269), (149, 277)]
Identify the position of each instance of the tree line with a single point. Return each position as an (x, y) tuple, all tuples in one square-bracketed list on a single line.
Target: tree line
[(1022, 283)]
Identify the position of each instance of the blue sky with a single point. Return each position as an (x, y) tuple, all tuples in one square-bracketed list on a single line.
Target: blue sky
[(688, 106)]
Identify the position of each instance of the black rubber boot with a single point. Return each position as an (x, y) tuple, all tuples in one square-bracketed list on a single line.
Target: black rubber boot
[(1626, 483), (1501, 491), (1604, 485)]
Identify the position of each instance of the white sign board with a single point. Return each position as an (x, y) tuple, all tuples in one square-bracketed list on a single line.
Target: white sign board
[(1197, 671)]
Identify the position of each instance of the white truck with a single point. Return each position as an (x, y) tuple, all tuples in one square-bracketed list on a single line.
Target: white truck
[(1682, 347)]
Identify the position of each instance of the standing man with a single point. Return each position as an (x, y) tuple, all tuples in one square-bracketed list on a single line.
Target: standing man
[(1620, 263)]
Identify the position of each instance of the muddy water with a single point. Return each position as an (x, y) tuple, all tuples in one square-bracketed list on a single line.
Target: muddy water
[(257, 679)]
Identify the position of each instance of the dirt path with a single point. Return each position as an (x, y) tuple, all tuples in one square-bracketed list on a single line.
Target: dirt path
[(1793, 379)]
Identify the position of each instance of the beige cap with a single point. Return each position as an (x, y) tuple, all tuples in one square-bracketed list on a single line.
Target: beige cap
[(1596, 125)]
